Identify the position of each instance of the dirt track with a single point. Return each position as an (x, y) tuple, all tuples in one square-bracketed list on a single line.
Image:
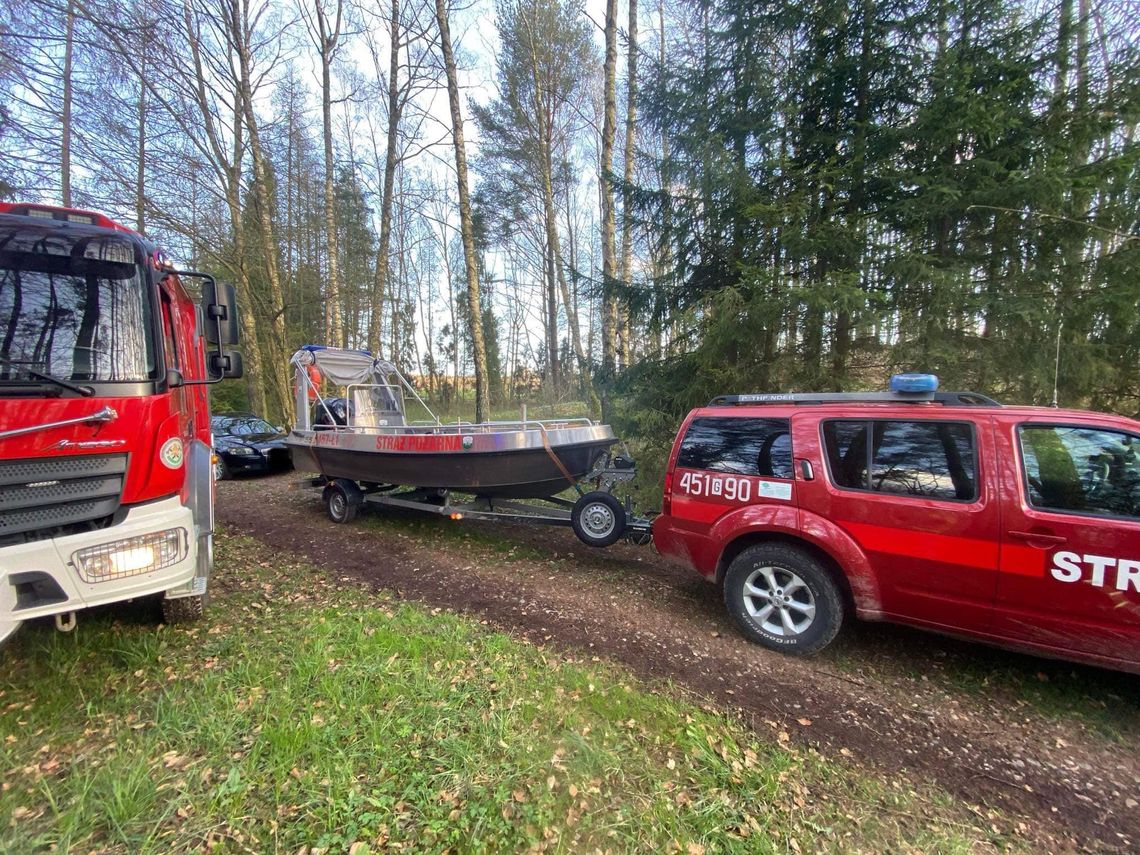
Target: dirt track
[(913, 705)]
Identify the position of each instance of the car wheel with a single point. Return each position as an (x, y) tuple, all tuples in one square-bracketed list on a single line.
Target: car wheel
[(343, 500), (598, 519), (784, 598), (221, 470)]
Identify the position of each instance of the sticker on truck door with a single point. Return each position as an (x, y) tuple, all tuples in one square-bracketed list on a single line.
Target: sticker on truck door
[(733, 488)]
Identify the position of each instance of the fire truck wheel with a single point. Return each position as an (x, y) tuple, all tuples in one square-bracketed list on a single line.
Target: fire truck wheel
[(784, 598), (183, 609), (598, 519), (343, 500)]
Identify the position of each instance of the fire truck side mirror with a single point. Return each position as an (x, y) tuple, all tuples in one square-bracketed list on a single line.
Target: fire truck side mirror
[(219, 310), (226, 365)]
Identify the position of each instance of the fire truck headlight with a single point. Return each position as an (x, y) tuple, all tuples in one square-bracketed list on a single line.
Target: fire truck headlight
[(132, 556)]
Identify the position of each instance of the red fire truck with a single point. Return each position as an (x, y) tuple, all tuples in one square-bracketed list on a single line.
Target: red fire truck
[(106, 482)]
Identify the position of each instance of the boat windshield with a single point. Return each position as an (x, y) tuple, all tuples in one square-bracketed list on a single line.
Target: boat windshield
[(74, 307)]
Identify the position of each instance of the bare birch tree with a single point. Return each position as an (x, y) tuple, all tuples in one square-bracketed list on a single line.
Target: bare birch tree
[(625, 357), (609, 266), (325, 27), (479, 352)]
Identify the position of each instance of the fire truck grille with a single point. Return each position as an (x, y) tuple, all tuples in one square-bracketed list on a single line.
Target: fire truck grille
[(47, 497)]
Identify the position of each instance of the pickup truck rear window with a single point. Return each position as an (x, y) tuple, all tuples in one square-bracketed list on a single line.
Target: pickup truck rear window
[(1081, 470), (930, 459), (760, 447)]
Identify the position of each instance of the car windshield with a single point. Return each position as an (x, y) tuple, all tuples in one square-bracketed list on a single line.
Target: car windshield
[(242, 426), (73, 306)]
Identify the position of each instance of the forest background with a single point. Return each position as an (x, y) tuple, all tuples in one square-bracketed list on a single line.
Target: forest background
[(669, 201)]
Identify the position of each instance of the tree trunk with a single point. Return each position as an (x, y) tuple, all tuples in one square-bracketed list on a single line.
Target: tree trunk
[(625, 358), (252, 352), (276, 378), (609, 267), (327, 36), (380, 284), (551, 301), (65, 130), (479, 355), (140, 163)]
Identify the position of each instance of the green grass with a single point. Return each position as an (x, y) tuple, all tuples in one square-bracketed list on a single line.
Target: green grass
[(304, 713)]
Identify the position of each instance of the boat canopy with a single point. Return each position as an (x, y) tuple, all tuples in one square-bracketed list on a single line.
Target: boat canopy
[(375, 386), (344, 367)]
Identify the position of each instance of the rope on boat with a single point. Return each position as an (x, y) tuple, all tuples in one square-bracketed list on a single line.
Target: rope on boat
[(546, 444)]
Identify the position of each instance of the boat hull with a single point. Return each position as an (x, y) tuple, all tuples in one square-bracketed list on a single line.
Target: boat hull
[(515, 464)]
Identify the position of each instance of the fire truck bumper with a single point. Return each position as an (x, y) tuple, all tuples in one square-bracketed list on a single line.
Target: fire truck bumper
[(154, 549)]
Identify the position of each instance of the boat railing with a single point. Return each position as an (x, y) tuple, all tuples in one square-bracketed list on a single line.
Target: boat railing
[(460, 427), (515, 424)]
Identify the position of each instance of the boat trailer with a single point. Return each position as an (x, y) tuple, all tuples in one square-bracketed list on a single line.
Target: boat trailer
[(597, 516)]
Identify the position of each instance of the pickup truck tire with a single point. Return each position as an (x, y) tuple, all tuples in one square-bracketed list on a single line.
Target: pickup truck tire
[(782, 597)]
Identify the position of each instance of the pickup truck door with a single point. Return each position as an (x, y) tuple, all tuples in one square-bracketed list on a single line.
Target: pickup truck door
[(919, 497), (1070, 554)]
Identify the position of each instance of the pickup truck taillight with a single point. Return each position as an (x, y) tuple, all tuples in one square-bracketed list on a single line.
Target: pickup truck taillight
[(667, 499)]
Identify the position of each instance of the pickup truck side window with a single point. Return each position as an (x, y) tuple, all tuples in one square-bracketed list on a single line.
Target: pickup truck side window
[(929, 459), (741, 446), (846, 444), (1081, 470)]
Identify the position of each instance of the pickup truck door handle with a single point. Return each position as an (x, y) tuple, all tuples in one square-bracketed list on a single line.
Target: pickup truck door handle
[(1038, 539)]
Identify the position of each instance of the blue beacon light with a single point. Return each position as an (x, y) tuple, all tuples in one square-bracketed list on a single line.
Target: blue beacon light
[(914, 383)]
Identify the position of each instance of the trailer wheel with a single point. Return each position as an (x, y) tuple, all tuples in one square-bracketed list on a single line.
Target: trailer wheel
[(598, 519), (343, 500)]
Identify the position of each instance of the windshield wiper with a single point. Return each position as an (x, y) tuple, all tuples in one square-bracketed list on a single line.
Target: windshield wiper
[(85, 391)]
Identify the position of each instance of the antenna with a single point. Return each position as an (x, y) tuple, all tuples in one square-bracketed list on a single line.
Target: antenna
[(1057, 364)]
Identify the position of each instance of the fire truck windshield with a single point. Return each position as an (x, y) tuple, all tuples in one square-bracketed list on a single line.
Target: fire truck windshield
[(75, 307)]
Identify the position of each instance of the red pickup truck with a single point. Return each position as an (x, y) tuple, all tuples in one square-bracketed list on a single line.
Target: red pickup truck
[(1018, 526)]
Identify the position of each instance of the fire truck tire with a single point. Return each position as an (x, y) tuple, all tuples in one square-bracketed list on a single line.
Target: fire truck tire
[(598, 519), (183, 609), (343, 500), (782, 597)]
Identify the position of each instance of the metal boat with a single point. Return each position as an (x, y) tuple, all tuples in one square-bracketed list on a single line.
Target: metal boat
[(369, 439)]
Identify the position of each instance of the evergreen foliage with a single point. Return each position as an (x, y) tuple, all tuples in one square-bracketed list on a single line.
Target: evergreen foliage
[(858, 188)]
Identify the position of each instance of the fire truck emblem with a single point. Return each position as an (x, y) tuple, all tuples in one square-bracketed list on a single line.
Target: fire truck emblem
[(171, 453)]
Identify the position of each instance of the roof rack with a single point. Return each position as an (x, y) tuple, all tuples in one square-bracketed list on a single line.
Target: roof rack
[(953, 399)]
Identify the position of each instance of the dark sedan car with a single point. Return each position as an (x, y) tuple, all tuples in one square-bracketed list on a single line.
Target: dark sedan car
[(244, 442)]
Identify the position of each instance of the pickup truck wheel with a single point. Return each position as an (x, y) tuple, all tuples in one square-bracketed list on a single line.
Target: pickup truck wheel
[(343, 500), (783, 598), (183, 609), (598, 519)]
